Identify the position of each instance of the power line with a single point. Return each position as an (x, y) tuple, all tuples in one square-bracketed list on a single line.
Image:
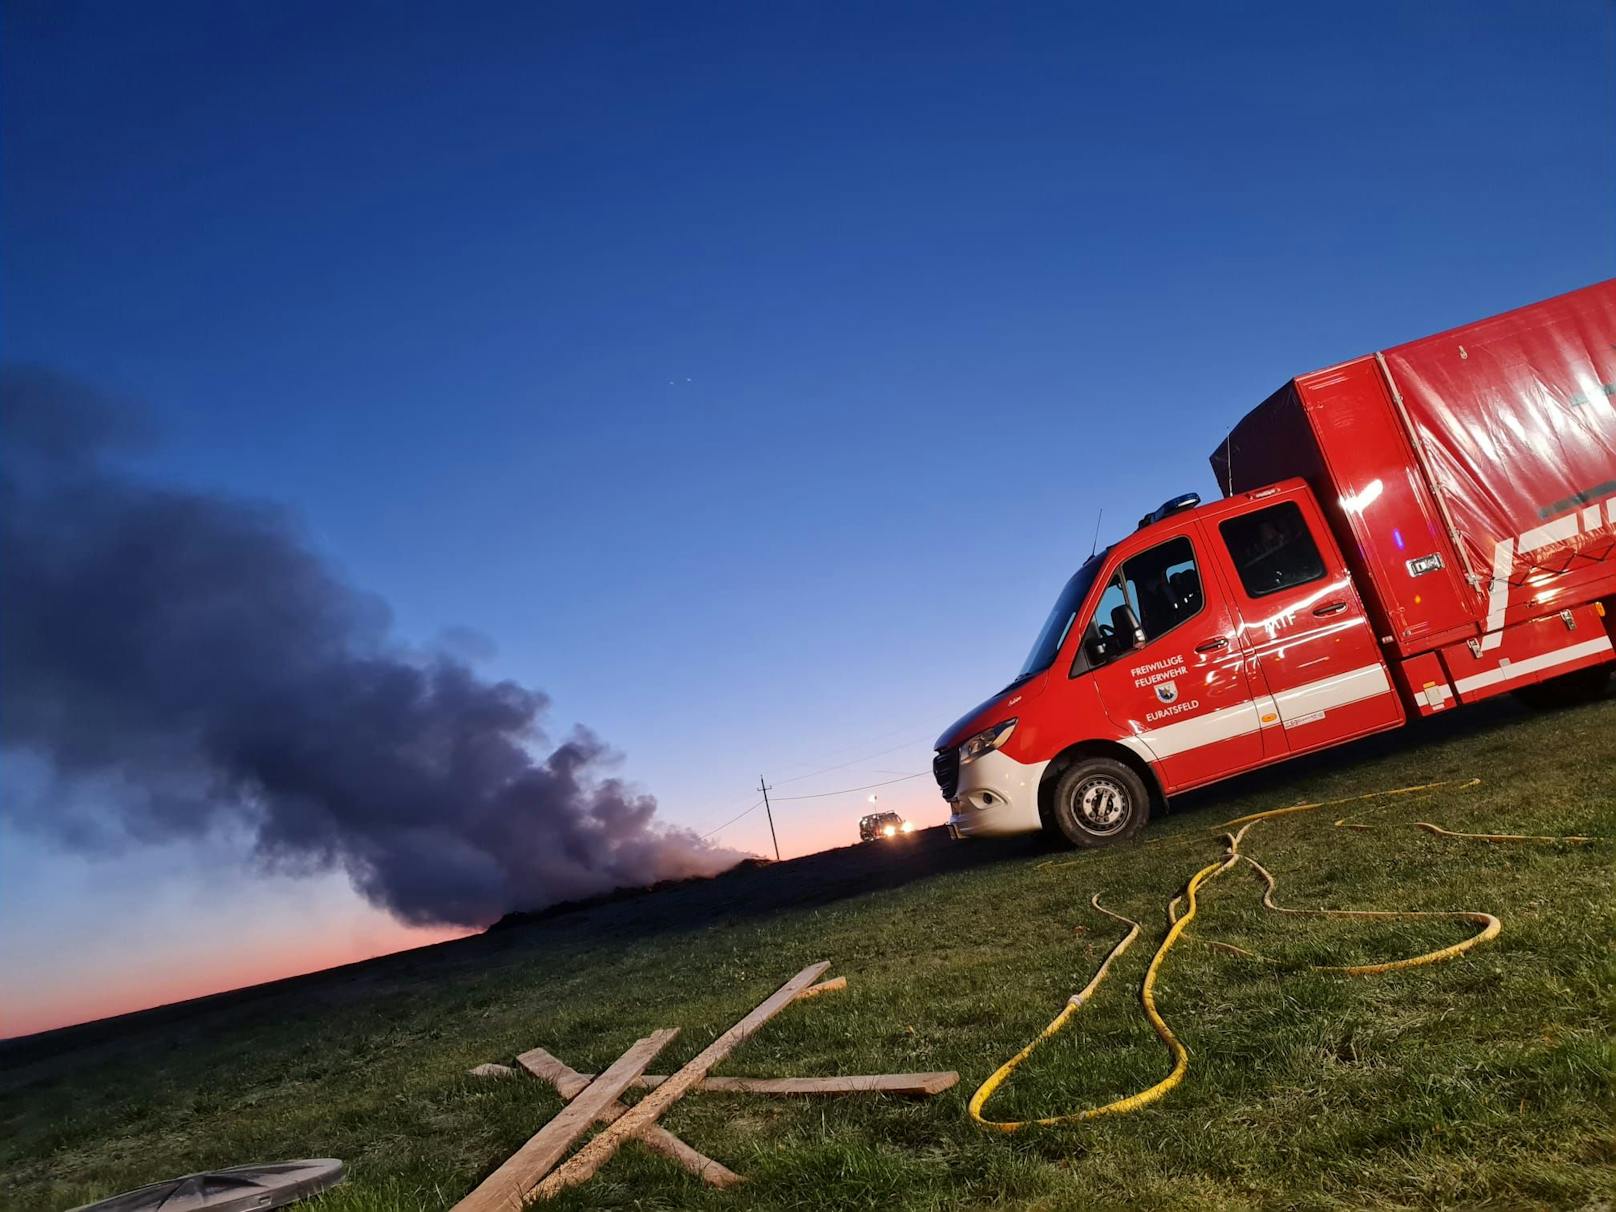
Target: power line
[(838, 750), (797, 778), (819, 795), (732, 820)]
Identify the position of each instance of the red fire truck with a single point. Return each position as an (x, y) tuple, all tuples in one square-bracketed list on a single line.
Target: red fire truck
[(1410, 531)]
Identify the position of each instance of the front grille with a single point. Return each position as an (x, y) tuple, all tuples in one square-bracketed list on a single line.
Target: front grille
[(945, 769)]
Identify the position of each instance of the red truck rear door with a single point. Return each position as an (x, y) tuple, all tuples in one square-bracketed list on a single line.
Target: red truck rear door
[(1312, 652)]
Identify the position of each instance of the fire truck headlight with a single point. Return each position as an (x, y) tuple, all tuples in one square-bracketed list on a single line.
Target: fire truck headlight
[(985, 741), (889, 830), (908, 826)]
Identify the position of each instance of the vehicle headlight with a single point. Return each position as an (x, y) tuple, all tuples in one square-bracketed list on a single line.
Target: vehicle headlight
[(908, 826), (985, 741)]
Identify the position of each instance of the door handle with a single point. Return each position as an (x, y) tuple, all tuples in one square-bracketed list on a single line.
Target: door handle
[(1212, 645), (1329, 608)]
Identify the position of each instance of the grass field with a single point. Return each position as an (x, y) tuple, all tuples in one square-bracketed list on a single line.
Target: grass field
[(1485, 1081)]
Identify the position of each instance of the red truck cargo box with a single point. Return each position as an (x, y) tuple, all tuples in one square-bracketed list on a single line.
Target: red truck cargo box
[(1470, 476)]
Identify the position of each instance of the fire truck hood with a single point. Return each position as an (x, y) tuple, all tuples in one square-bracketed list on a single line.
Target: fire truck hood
[(1001, 706)]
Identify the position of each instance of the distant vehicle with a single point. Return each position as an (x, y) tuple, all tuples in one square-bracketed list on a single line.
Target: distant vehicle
[(1412, 530), (883, 824)]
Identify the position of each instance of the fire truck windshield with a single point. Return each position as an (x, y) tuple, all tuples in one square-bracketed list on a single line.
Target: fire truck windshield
[(1060, 619)]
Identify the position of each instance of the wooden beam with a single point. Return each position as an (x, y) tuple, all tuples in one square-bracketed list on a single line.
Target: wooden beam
[(508, 1187), (857, 1083), (568, 1082), (557, 1072), (834, 985), (581, 1165)]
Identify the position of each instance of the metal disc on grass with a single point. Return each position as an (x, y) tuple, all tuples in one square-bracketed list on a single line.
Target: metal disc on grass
[(237, 1189)]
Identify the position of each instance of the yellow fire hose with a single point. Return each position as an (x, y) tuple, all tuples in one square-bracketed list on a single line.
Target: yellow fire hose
[(1490, 925), (1346, 799), (1356, 822), (1147, 995), (1570, 839), (1541, 839), (1490, 928)]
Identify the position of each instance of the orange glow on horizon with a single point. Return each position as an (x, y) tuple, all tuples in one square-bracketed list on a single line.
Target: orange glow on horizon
[(182, 973), (314, 934)]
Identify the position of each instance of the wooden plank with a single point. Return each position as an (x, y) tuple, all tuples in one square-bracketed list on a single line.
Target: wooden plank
[(491, 1070), (857, 1083), (568, 1082), (507, 1188), (581, 1165), (834, 985), (570, 1088), (557, 1072)]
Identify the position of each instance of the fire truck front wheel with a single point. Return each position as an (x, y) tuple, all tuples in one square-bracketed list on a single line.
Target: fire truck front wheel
[(1099, 801)]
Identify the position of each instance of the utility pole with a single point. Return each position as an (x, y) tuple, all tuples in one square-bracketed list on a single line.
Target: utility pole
[(769, 812)]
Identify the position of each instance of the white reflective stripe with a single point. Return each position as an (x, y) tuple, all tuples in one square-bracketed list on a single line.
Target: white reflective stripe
[(1337, 691), (1519, 669), (1221, 725), (1308, 701), (1498, 593), (1550, 532), (1139, 747)]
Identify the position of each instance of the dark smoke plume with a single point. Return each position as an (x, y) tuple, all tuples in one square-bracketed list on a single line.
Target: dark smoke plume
[(183, 663)]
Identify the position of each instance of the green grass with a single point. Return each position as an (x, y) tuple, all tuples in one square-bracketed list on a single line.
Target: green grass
[(1485, 1081)]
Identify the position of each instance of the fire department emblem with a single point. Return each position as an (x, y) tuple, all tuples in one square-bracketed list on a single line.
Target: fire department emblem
[(1167, 692)]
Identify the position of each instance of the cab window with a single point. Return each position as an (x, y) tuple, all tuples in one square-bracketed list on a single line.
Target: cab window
[(1164, 587), (1272, 549), (1148, 596)]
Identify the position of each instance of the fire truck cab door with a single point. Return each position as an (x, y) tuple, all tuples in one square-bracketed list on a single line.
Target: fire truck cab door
[(1181, 699), (1312, 653)]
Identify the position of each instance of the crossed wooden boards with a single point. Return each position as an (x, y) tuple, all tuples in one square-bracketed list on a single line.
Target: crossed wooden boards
[(531, 1173)]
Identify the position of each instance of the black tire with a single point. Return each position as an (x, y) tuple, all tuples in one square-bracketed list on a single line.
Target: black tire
[(1583, 686), (1099, 802)]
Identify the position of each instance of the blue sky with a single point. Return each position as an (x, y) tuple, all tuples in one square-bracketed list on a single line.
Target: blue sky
[(750, 376)]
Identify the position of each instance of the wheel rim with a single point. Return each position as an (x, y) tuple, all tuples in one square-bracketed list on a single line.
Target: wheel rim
[(1101, 806)]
